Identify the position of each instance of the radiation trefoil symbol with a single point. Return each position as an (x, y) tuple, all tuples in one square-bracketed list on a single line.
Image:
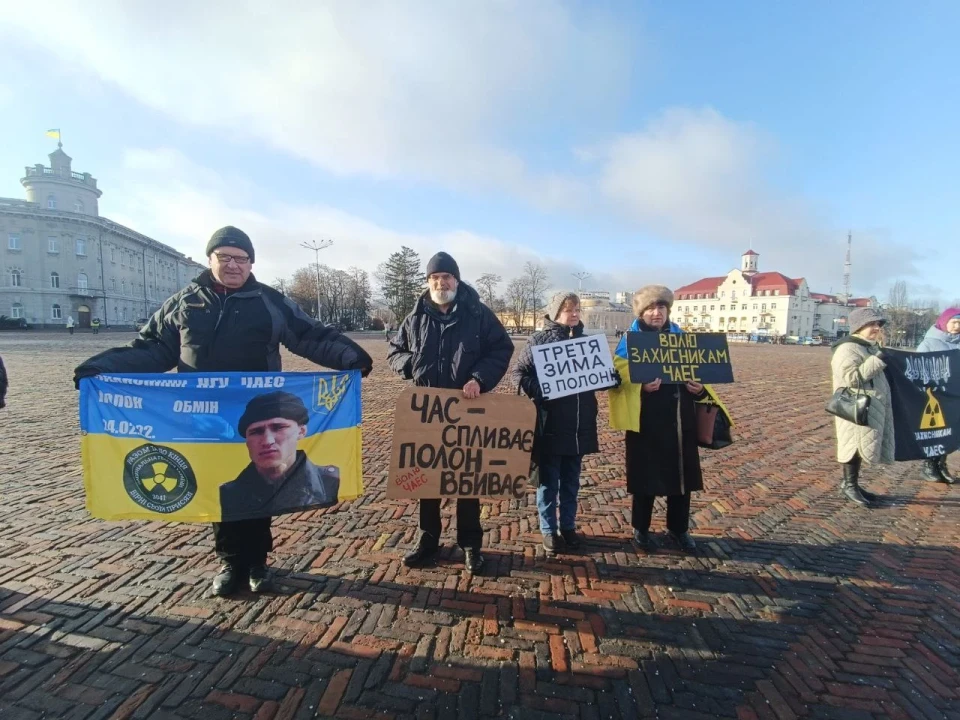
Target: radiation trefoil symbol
[(160, 477), (932, 414)]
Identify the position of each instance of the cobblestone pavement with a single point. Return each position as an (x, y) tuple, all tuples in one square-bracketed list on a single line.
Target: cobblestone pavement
[(797, 605)]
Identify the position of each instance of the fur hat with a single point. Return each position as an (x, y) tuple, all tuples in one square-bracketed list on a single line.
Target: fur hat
[(557, 302), (277, 404), (864, 316), (443, 263), (231, 237), (647, 296)]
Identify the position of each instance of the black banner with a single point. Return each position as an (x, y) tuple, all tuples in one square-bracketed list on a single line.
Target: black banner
[(679, 357), (926, 402)]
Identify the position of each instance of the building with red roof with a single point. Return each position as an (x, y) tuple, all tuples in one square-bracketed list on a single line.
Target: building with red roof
[(747, 301)]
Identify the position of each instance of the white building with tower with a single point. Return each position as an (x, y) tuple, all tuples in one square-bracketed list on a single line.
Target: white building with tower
[(61, 259), (748, 301)]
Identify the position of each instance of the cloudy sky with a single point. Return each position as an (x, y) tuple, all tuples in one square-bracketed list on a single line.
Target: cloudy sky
[(640, 142)]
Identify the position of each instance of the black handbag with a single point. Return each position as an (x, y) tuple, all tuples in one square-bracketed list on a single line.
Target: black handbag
[(849, 404)]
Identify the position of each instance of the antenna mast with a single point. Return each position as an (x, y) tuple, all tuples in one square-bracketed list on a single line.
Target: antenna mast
[(846, 270)]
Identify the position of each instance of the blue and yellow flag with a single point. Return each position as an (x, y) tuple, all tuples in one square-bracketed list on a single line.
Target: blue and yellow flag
[(54, 133), (206, 447)]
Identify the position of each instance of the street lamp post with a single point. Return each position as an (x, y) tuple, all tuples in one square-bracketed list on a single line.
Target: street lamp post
[(580, 276), (317, 246)]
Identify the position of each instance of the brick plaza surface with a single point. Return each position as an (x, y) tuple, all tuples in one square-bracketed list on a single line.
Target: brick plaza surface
[(797, 605)]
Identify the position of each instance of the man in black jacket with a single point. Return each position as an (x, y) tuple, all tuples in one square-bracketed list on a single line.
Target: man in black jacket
[(450, 340), (227, 321)]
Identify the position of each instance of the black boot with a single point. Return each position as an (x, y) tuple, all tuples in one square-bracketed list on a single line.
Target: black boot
[(850, 485), (945, 472), (931, 471), (226, 581), (424, 553)]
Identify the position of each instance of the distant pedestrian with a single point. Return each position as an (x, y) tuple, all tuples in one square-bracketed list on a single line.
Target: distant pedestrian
[(3, 384), (70, 324), (943, 335), (95, 325), (858, 363)]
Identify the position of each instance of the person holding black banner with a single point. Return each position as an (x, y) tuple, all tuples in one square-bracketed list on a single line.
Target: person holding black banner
[(661, 443), (566, 428), (451, 340), (942, 335), (857, 362), (225, 320)]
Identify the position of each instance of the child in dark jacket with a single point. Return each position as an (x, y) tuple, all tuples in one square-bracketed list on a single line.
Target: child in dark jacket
[(566, 429)]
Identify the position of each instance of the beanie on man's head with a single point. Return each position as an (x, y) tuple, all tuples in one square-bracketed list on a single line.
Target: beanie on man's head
[(558, 301), (277, 404), (230, 236), (946, 316), (443, 263), (650, 294)]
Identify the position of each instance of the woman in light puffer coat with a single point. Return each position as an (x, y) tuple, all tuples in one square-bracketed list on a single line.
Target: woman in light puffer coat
[(858, 362), (943, 335)]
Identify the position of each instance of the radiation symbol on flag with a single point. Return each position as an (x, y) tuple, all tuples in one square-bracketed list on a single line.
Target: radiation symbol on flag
[(932, 414), (159, 478)]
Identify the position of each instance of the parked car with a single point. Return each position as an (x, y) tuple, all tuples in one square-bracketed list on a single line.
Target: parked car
[(9, 323), (140, 323)]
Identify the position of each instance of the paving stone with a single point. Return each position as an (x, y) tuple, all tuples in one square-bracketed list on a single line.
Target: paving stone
[(797, 605)]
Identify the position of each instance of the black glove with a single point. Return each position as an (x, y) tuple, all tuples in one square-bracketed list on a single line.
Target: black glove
[(83, 372), (617, 380)]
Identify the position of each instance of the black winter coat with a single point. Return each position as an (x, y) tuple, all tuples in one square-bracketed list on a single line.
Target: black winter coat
[(664, 457), (440, 350), (567, 425), (200, 330), (3, 384)]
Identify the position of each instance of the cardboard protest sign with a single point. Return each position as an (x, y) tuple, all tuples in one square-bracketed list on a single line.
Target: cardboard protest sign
[(926, 402), (573, 366), (679, 357), (209, 447), (447, 446)]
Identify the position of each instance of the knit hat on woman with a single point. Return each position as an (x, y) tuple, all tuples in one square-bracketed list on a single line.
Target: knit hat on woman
[(647, 296), (946, 316), (861, 317), (558, 301)]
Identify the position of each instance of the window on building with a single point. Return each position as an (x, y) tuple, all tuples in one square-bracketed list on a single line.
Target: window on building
[(763, 306), (54, 280), (55, 312), (53, 244), (733, 294), (113, 284), (123, 286), (13, 242), (754, 306), (753, 319), (16, 311), (723, 307), (81, 281), (712, 307), (78, 206), (81, 246), (116, 313), (776, 292), (773, 306), (51, 202), (113, 254), (16, 277)]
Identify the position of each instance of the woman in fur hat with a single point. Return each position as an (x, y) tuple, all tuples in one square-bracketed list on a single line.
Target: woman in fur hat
[(566, 429), (662, 452), (858, 362)]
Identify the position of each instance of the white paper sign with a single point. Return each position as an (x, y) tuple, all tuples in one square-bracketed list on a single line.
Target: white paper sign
[(572, 366)]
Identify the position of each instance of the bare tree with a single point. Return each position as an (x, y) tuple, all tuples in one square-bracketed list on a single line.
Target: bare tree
[(516, 301), (486, 286), (535, 279)]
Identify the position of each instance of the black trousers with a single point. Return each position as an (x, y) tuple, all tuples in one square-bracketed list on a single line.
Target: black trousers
[(243, 543), (469, 532), (678, 512)]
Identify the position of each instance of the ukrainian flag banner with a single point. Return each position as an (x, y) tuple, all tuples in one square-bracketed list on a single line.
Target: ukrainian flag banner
[(206, 447)]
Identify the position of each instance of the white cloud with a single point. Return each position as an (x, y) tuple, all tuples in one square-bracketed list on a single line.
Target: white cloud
[(697, 177), (383, 87)]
